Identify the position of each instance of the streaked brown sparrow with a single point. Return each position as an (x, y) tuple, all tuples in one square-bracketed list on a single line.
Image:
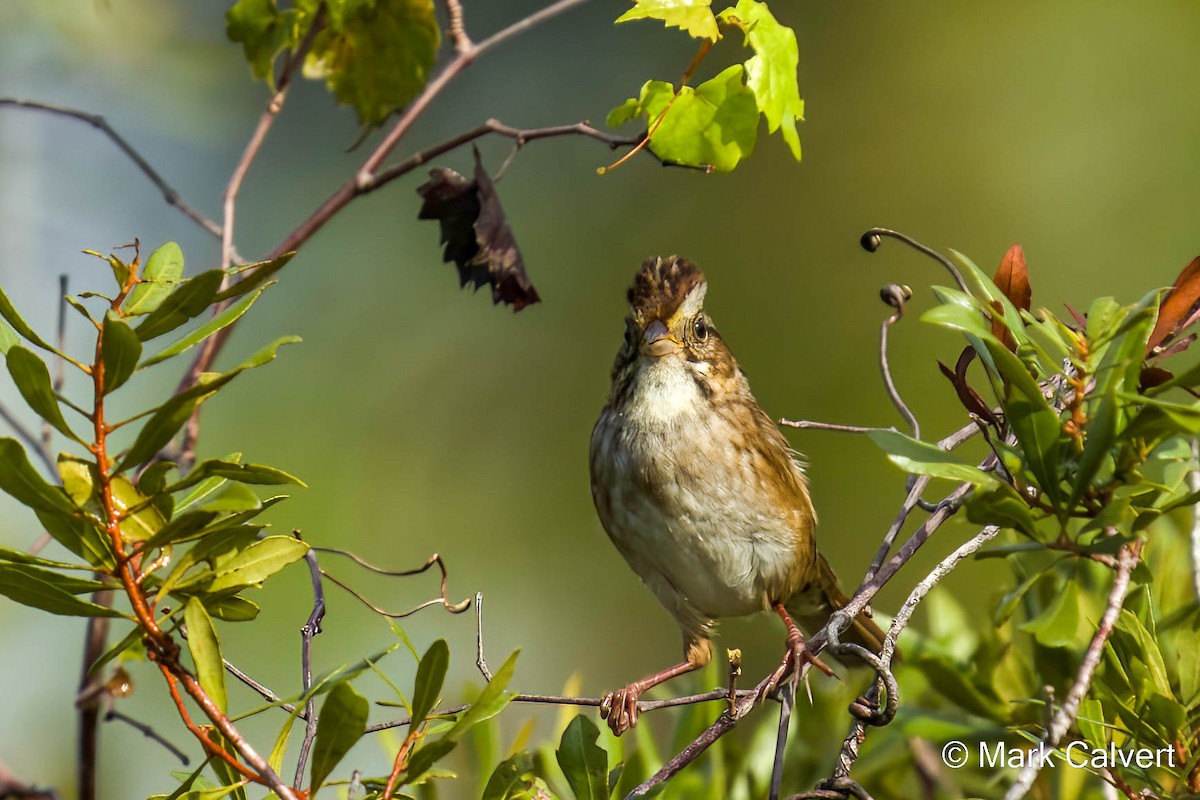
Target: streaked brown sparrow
[(697, 487)]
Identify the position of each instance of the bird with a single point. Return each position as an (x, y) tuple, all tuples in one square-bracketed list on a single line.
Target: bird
[(699, 490)]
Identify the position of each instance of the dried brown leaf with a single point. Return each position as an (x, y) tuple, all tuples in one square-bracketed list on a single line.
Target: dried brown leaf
[(476, 234)]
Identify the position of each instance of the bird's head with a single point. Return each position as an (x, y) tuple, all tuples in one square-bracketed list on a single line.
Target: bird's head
[(667, 323)]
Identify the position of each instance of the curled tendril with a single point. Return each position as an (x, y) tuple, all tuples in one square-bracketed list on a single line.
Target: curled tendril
[(872, 239)]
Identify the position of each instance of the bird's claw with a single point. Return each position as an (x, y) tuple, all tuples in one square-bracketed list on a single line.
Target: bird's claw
[(620, 708), (793, 664)]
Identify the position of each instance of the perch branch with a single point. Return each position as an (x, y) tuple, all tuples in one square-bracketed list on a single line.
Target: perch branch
[(308, 632)]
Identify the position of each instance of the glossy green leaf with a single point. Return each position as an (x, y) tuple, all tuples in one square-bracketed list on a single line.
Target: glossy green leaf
[(253, 276), (30, 590), (431, 674), (258, 562), (1038, 432), (256, 474), (68, 583), (922, 458), (220, 321), (32, 378), (232, 497), (1057, 623), (375, 56), (713, 125), (160, 276), (1146, 647), (1101, 432), (130, 641), (19, 479), (189, 300), (8, 337), (20, 557), (424, 758), (583, 762), (180, 528), (9, 313), (771, 73), (491, 701), (342, 722), (122, 349), (206, 651), (231, 609), (693, 16), (229, 541), (79, 535), (78, 478), (513, 778), (142, 524), (1000, 505)]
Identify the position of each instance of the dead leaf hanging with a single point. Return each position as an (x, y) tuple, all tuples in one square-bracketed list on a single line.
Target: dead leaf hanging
[(476, 234)]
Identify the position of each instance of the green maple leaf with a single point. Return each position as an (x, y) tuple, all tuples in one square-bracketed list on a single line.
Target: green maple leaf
[(714, 124), (771, 72), (376, 55), (694, 16)]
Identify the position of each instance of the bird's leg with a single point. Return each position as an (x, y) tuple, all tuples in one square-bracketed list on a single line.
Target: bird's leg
[(620, 708), (797, 655)]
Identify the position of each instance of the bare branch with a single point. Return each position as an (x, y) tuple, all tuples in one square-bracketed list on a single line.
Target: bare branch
[(1127, 559), (147, 731), (874, 237), (858, 730), (480, 661), (171, 196), (311, 628), (30, 439), (88, 733)]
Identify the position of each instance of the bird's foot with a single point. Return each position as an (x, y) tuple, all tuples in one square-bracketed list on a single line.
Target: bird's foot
[(620, 708), (797, 658)]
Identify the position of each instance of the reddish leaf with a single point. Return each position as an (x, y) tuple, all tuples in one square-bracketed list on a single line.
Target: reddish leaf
[(1013, 279), (1080, 319), (1153, 376), (477, 234), (1177, 306), (966, 394)]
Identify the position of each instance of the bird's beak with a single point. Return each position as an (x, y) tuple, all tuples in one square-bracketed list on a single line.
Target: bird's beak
[(657, 341)]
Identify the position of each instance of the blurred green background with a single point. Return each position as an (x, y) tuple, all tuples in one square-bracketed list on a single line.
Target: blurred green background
[(424, 419)]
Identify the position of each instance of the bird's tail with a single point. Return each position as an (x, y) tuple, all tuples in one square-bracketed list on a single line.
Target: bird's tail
[(812, 607)]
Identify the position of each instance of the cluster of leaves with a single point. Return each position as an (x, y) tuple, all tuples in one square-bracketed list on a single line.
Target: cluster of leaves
[(1089, 453), (109, 508), (715, 124), (374, 55)]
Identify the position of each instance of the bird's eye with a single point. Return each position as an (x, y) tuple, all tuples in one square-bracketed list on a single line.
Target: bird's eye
[(700, 329)]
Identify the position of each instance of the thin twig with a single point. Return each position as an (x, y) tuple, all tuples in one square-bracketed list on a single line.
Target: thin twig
[(1127, 559), (480, 661), (171, 196), (30, 439), (874, 237), (453, 608), (805, 424), (308, 632), (582, 702), (457, 28), (858, 729), (147, 731)]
